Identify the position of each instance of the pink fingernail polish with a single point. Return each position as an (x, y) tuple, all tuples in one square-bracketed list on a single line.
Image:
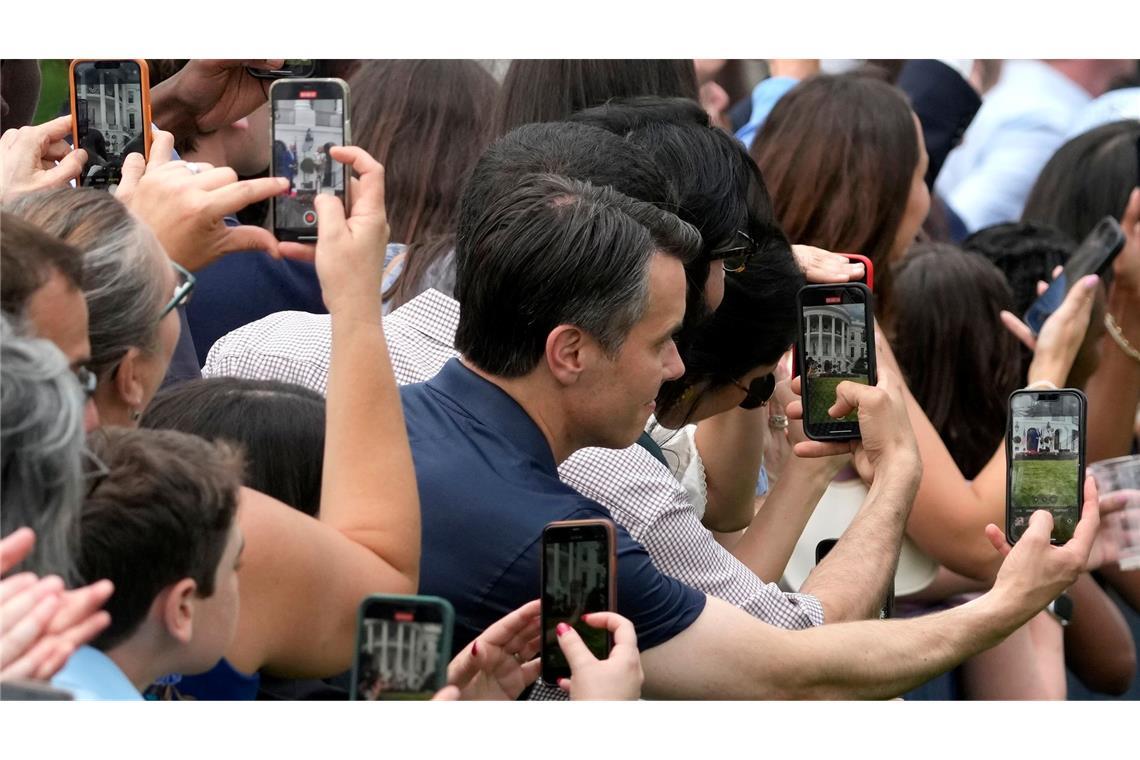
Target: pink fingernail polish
[(562, 628)]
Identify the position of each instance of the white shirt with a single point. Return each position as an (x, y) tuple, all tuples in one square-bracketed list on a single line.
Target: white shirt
[(1022, 122)]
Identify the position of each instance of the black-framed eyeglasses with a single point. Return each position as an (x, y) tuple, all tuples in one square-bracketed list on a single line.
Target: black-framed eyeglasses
[(182, 290), (736, 254), (758, 391)]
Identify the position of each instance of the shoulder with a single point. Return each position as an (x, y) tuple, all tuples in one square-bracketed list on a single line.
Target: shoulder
[(291, 346)]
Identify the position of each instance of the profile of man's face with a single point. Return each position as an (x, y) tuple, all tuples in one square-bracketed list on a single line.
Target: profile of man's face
[(620, 393)]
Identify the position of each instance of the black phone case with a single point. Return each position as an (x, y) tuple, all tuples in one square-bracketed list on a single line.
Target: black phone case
[(1009, 458), (801, 356)]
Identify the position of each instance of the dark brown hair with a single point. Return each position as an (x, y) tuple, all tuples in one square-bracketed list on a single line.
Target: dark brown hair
[(552, 89), (161, 513), (959, 361), (28, 258), (427, 122), (838, 154)]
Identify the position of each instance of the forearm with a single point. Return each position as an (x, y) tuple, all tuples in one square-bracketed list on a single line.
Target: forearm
[(1114, 389), (852, 581), (369, 488), (731, 446), (768, 543), (169, 112)]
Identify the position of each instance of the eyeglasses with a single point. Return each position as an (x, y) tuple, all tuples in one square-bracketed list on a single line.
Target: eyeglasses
[(182, 291), (87, 381), (737, 253), (758, 391)]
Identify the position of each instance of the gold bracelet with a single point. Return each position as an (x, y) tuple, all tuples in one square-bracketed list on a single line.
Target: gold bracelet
[(1118, 335)]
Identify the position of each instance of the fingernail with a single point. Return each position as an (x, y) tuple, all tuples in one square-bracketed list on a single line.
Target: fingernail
[(562, 683), (474, 647), (584, 615), (1089, 281), (562, 628)]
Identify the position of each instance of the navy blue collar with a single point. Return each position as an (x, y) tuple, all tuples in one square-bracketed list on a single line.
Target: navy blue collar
[(491, 406)]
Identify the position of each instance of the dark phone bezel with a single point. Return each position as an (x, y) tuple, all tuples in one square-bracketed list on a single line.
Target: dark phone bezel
[(288, 89), (398, 602), (1100, 247), (827, 431), (867, 279), (1083, 405), (557, 532), (144, 103), (285, 73)]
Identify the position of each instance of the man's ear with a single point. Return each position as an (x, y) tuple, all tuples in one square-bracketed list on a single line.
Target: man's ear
[(568, 350), (128, 381), (178, 609)]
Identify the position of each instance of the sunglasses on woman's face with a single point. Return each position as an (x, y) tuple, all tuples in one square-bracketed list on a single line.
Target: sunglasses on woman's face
[(758, 391), (735, 255)]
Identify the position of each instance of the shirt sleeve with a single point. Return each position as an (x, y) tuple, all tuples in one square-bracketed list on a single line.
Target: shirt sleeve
[(648, 502)]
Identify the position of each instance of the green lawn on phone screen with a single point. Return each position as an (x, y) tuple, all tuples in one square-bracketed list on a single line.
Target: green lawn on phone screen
[(1045, 484), (822, 395)]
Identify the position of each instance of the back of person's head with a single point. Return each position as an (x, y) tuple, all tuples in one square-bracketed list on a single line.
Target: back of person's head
[(719, 188), (1088, 178), (124, 279), (839, 155), (1025, 253), (157, 523), (41, 444), (29, 257), (280, 428), (959, 360), (574, 151), (752, 328), (427, 122), (554, 251), (552, 89)]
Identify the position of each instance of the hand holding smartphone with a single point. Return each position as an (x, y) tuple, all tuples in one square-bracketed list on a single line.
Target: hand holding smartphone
[(835, 343), (578, 576), (1045, 460), (309, 116), (110, 116), (403, 647)]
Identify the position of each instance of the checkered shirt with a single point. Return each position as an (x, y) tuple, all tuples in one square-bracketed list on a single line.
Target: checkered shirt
[(640, 492)]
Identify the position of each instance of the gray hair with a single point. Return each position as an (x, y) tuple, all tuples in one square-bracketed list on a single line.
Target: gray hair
[(41, 448), (122, 277)]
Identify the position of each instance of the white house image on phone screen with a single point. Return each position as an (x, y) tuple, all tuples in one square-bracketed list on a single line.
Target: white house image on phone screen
[(405, 654), (113, 108), (833, 338), (1034, 436)]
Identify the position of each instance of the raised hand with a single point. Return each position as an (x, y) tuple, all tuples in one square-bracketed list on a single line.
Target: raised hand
[(822, 266), (185, 204), (28, 157), (206, 95), (1055, 347)]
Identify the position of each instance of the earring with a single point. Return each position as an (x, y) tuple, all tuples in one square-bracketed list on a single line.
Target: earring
[(136, 415)]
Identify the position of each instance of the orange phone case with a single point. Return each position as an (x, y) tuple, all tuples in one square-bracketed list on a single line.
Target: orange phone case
[(144, 70)]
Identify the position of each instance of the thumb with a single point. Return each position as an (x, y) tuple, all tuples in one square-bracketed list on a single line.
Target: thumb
[(134, 166), (447, 694), (571, 644), (997, 538), (249, 238)]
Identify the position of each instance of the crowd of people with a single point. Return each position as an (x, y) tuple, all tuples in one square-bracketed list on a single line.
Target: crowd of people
[(565, 292)]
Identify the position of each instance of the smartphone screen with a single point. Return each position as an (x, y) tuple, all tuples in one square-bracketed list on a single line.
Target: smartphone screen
[(309, 118), (403, 647), (576, 579), (110, 118), (1046, 460), (836, 343)]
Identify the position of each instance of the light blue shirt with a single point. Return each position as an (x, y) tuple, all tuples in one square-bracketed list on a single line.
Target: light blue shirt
[(91, 675), (764, 98), (1111, 106), (1022, 122)]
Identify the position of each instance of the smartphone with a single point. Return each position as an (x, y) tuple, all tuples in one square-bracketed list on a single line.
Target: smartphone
[(110, 116), (1094, 255), (38, 691), (403, 647), (835, 342), (293, 68), (867, 279), (888, 609), (1045, 460), (578, 576), (309, 116)]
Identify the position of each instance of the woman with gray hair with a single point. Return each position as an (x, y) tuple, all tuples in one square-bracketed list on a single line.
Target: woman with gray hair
[(41, 445), (131, 288)]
